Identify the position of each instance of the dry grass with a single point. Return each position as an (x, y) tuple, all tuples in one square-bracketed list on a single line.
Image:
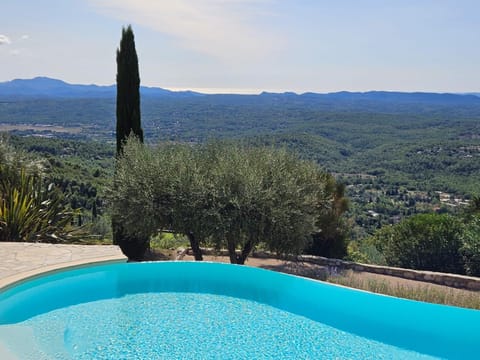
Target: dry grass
[(408, 290)]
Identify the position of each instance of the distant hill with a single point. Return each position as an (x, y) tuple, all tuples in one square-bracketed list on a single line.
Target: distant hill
[(424, 141), (392, 97), (402, 97), (44, 87)]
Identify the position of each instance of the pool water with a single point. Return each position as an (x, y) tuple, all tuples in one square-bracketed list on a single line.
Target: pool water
[(219, 311), (192, 326)]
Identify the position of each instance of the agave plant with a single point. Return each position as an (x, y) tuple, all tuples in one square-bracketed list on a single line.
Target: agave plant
[(32, 211)]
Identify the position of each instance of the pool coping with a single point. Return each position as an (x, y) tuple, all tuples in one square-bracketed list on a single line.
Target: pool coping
[(16, 279)]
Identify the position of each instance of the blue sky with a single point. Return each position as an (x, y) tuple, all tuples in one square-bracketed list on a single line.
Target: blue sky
[(249, 45)]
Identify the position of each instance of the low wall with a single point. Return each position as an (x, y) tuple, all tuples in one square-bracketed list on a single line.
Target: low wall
[(453, 280)]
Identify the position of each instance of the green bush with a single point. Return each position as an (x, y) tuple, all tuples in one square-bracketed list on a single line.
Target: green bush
[(101, 226), (423, 242), (470, 249), (165, 240), (363, 252)]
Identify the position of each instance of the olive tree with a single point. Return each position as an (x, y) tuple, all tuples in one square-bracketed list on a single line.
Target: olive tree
[(160, 188), (132, 212), (266, 196), (224, 194)]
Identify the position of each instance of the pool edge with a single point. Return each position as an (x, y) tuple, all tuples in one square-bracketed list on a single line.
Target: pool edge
[(14, 280)]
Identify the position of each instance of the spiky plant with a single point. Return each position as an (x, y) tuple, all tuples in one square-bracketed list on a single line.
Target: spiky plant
[(32, 211)]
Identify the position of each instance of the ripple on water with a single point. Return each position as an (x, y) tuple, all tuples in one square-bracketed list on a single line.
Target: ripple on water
[(193, 326)]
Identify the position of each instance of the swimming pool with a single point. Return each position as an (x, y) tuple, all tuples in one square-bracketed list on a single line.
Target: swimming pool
[(197, 310)]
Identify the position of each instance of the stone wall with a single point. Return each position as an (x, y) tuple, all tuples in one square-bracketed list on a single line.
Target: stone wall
[(453, 280), (458, 281)]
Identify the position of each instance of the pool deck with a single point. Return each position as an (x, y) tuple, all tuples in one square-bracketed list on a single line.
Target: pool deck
[(20, 260)]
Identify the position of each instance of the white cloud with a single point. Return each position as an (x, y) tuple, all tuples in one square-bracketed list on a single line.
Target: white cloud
[(4, 40), (225, 29), (25, 37)]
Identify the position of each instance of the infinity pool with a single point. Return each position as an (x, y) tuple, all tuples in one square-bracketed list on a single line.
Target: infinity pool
[(192, 310)]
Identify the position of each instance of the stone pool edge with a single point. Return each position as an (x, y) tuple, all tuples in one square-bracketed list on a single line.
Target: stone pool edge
[(13, 280)]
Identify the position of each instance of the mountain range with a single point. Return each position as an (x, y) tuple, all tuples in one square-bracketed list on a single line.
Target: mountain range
[(44, 87)]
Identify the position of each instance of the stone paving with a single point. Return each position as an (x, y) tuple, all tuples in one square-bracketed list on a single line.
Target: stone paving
[(19, 260)]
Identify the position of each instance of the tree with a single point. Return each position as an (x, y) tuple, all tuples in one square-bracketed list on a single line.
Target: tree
[(159, 189), (221, 194), (470, 249), (331, 239), (473, 207), (128, 124), (423, 242), (266, 196), (128, 90)]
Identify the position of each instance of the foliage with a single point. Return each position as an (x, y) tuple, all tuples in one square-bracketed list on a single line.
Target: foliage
[(474, 206), (393, 155), (222, 193), (166, 240), (128, 89), (423, 242), (128, 123), (30, 209), (365, 253), (331, 240), (12, 160), (470, 249), (269, 196), (101, 227)]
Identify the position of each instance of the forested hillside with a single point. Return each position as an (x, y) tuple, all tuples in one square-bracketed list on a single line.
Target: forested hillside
[(397, 153)]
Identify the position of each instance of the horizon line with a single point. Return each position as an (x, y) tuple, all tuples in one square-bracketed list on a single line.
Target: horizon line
[(255, 91)]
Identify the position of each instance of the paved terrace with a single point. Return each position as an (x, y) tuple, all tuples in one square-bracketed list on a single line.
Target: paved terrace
[(21, 260)]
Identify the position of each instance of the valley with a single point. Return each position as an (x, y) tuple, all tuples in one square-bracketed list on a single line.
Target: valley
[(398, 154)]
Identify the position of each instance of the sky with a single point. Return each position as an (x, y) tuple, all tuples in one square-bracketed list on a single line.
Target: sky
[(249, 46)]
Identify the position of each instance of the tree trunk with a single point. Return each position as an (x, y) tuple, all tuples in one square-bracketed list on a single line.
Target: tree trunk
[(134, 248), (231, 251), (247, 249), (194, 244)]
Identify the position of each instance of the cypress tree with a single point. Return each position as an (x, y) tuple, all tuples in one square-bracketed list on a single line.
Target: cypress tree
[(128, 121), (128, 90)]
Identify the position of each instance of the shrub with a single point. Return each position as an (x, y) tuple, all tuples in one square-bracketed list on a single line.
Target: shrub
[(363, 252), (470, 249), (423, 242), (30, 209)]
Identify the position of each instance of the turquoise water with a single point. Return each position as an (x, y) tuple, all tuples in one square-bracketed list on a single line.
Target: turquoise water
[(219, 311), (195, 326)]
